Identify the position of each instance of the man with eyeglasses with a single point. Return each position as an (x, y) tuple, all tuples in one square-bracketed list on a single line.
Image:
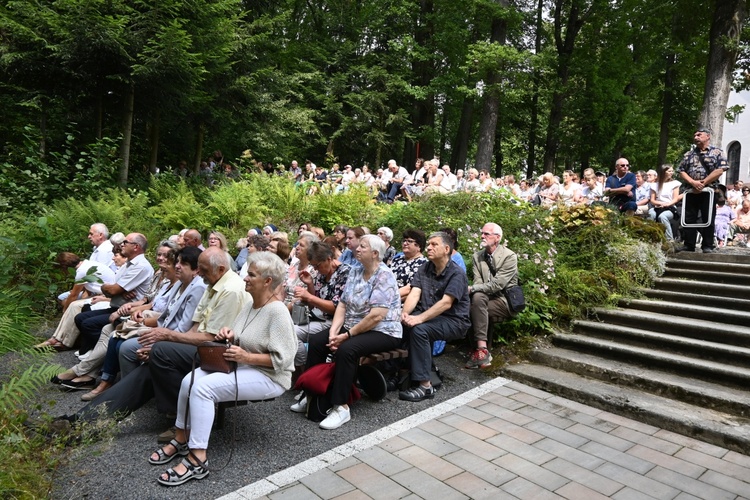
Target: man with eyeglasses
[(131, 283), (621, 186), (495, 269), (701, 167)]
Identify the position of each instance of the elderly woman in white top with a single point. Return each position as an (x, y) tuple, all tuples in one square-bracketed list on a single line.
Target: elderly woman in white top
[(263, 346), (367, 320)]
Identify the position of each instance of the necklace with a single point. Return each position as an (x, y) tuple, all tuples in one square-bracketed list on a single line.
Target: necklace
[(257, 312)]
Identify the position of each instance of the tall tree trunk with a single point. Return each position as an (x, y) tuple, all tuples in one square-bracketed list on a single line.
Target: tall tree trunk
[(666, 109), (499, 156), (443, 132), (423, 112), (43, 129), (531, 158), (460, 151), (153, 140), (488, 121), (127, 134), (565, 46), (200, 134), (726, 29), (99, 112)]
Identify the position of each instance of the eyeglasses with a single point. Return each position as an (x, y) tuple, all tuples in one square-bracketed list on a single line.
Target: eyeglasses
[(409, 241), (746, 190), (485, 233), (624, 165), (126, 242)]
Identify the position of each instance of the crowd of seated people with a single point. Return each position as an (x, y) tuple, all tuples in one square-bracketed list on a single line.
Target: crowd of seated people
[(354, 303), (632, 193)]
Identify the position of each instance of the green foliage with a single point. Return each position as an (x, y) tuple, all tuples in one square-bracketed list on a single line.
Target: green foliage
[(352, 207), (120, 210), (28, 459), (32, 178)]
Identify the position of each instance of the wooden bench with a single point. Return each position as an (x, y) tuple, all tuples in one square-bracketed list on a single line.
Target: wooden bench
[(370, 378)]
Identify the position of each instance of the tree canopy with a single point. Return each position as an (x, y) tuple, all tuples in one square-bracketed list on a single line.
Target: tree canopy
[(519, 87)]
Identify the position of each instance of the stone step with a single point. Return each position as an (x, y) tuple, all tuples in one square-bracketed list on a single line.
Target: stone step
[(701, 275), (719, 428), (729, 303), (702, 288), (736, 256), (662, 383), (738, 335), (714, 351), (715, 371), (704, 312), (722, 267)]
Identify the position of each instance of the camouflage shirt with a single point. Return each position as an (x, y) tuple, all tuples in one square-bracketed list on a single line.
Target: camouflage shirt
[(699, 164)]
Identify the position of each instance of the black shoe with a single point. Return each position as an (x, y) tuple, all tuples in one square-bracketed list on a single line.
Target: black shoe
[(78, 386), (708, 250)]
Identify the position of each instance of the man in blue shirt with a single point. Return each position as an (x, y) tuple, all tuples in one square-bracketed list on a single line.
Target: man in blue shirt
[(620, 188)]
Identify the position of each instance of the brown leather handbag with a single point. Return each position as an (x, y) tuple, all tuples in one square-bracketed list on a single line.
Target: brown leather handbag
[(211, 356)]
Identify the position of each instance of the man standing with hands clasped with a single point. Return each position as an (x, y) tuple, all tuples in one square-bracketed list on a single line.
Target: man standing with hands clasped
[(701, 167)]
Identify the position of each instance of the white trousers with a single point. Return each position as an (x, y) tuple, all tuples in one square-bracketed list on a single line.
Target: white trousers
[(210, 388)]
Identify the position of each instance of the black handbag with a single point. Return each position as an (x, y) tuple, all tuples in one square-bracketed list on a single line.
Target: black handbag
[(211, 356), (515, 298), (300, 314)]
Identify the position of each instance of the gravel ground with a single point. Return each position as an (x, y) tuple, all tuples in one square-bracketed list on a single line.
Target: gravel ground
[(270, 438)]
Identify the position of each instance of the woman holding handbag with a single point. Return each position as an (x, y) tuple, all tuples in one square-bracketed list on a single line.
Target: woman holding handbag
[(263, 347)]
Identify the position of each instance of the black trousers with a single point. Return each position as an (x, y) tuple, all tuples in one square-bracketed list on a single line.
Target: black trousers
[(696, 205), (170, 362), (121, 399), (90, 324), (347, 358)]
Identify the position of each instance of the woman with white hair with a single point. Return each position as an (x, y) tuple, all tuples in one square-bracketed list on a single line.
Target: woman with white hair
[(386, 234), (367, 320), (263, 345)]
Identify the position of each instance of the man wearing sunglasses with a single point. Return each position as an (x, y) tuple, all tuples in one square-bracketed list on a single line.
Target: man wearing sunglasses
[(620, 187)]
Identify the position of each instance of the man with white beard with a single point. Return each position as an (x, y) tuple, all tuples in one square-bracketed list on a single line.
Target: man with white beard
[(495, 269)]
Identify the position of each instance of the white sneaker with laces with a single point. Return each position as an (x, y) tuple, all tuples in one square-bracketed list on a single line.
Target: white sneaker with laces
[(300, 406), (338, 417)]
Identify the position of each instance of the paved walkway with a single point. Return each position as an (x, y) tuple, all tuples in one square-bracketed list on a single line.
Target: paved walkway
[(507, 440)]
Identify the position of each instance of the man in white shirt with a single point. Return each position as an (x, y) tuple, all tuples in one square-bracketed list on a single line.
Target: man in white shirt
[(449, 179), (398, 176), (99, 237)]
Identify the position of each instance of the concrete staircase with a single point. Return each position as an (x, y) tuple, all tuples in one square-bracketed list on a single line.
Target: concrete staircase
[(678, 359)]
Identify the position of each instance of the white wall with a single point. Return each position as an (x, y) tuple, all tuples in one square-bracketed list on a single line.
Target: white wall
[(739, 131)]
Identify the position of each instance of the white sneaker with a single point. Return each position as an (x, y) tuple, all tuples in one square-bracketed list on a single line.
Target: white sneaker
[(300, 406), (338, 417)]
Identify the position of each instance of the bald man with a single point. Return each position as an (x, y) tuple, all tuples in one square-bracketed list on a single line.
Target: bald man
[(192, 238)]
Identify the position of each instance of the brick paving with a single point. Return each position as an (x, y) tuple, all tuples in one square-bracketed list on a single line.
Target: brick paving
[(514, 441)]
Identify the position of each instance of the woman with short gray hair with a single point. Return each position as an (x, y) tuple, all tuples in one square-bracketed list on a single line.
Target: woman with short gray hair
[(263, 345), (367, 320)]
